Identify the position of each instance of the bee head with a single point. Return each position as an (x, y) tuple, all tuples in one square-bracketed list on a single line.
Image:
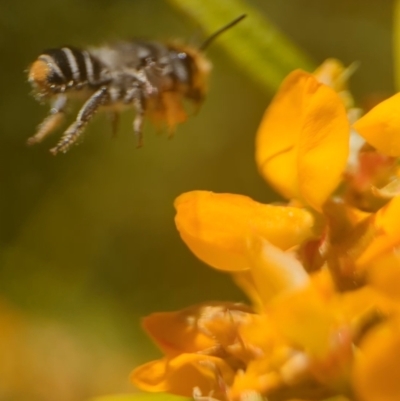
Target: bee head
[(199, 68), (197, 65)]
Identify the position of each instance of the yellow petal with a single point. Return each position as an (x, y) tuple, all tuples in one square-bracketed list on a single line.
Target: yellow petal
[(386, 229), (384, 275), (215, 227), (380, 127), (259, 337), (277, 136), (180, 375), (354, 305), (274, 271), (222, 323), (303, 140), (177, 332), (199, 328), (376, 374), (305, 320), (258, 378), (245, 281)]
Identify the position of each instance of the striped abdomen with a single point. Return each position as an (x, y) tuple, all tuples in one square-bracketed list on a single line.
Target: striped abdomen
[(55, 70)]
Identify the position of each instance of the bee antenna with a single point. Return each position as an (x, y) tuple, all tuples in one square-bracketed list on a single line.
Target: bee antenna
[(211, 38)]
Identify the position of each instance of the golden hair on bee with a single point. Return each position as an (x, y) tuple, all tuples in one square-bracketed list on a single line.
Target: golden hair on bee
[(153, 78)]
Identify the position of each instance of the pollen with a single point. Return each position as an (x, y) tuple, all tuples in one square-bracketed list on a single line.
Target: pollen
[(39, 72)]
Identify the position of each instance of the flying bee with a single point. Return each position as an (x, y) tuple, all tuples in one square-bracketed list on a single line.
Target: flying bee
[(151, 77)]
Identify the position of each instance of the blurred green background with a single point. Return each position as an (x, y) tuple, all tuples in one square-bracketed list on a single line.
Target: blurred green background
[(87, 239)]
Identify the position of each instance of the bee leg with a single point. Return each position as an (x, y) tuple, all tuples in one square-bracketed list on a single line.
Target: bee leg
[(51, 122), (139, 104), (135, 95), (85, 114), (141, 80)]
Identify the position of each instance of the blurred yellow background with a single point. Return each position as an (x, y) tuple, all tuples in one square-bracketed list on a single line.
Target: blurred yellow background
[(87, 239)]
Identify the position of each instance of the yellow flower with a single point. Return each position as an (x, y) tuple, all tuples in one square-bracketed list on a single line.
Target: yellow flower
[(183, 373), (215, 226), (376, 372), (303, 140), (380, 126), (322, 272)]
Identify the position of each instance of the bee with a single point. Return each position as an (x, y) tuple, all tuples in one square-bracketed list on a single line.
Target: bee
[(151, 77)]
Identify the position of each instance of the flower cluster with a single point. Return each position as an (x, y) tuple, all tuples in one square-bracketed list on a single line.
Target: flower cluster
[(322, 271)]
